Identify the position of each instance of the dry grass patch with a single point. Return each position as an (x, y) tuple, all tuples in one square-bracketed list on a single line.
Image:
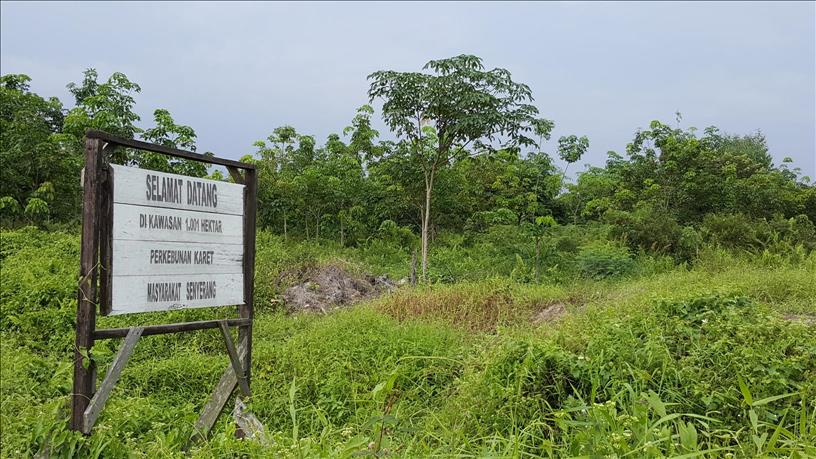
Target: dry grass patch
[(481, 307)]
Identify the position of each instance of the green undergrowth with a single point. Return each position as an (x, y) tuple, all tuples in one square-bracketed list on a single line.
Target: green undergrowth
[(711, 359)]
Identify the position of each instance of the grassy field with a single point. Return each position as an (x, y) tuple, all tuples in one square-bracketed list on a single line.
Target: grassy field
[(716, 358)]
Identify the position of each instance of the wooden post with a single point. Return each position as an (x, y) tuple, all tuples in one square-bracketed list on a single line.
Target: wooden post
[(105, 239), (247, 310), (84, 366)]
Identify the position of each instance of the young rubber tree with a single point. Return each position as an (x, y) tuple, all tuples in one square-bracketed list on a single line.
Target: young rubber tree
[(570, 149), (168, 133), (451, 104)]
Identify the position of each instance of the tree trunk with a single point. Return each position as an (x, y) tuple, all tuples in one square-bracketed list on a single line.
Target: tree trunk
[(538, 259), (284, 224), (563, 178), (342, 234), (413, 268), (426, 221)]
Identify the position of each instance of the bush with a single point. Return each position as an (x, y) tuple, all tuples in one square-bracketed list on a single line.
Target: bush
[(734, 231), (798, 230), (689, 244), (481, 221), (603, 260), (399, 236), (645, 228)]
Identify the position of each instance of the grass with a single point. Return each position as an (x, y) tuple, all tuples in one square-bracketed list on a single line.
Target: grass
[(688, 361)]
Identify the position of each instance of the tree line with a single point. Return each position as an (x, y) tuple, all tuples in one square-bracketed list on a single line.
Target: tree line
[(468, 151)]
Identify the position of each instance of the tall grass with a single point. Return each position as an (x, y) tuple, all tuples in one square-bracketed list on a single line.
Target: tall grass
[(689, 361)]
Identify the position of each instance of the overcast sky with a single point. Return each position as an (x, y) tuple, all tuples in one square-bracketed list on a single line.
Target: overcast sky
[(236, 71)]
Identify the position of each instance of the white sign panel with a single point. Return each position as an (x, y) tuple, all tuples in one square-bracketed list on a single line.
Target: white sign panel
[(177, 242), (178, 291), (140, 223), (144, 187), (137, 258)]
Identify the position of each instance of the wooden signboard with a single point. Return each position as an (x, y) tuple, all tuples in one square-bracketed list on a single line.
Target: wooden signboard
[(153, 241), (177, 242)]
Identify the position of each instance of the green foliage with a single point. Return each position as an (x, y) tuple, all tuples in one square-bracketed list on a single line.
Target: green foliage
[(571, 148), (689, 243), (38, 296), (732, 230), (40, 144), (169, 134), (465, 103), (9, 207), (646, 228), (33, 151), (458, 167), (666, 364), (36, 209), (104, 106), (600, 261), (664, 380), (688, 177), (398, 236)]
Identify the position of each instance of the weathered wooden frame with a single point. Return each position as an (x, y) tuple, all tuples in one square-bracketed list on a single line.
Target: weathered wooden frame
[(95, 288)]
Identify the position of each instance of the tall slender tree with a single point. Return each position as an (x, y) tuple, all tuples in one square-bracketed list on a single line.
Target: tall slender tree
[(451, 104)]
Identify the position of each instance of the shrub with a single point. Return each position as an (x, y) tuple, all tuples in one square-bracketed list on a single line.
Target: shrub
[(400, 236), (734, 231), (9, 207), (602, 260), (799, 230), (567, 244), (689, 244), (481, 221), (645, 228)]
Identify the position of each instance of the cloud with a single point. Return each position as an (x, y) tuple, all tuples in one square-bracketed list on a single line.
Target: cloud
[(235, 71)]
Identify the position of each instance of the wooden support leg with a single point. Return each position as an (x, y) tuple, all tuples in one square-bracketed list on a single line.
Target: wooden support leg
[(96, 404), (84, 367), (220, 396), (237, 366)]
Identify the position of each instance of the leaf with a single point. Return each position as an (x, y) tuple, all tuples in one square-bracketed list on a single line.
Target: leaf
[(657, 405), (745, 392), (777, 432), (754, 419), (666, 418), (767, 400), (760, 440)]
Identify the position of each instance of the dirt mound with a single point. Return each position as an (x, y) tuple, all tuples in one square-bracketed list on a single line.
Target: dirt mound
[(331, 287)]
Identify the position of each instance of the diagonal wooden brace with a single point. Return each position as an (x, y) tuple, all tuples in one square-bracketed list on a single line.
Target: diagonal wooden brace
[(220, 395), (237, 366), (236, 175), (101, 396)]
